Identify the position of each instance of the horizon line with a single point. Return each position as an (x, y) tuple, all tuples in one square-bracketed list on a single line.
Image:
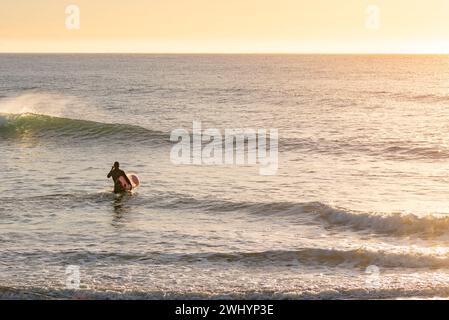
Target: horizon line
[(225, 53)]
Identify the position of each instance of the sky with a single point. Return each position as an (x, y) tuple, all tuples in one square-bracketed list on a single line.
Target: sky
[(225, 26)]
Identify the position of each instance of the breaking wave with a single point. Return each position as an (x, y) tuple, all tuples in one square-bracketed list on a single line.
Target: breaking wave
[(48, 127), (388, 224)]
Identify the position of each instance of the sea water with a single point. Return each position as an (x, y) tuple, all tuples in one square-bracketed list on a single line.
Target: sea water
[(358, 207)]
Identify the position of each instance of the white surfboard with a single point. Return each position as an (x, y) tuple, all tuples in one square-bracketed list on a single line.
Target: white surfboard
[(135, 182)]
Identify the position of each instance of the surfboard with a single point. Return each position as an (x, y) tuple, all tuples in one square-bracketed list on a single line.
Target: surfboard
[(135, 182)]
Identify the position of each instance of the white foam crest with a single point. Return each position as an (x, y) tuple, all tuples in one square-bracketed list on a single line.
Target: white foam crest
[(49, 104), (393, 223)]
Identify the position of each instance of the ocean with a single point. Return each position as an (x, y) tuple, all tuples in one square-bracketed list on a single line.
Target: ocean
[(357, 209)]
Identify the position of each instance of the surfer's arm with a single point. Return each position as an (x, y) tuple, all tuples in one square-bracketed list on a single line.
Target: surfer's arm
[(110, 173)]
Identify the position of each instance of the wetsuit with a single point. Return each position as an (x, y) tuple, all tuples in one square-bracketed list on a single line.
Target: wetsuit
[(116, 174)]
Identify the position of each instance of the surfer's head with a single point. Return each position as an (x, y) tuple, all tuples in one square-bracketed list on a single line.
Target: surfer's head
[(116, 165)]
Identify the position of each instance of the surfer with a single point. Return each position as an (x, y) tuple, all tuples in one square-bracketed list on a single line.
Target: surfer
[(116, 174)]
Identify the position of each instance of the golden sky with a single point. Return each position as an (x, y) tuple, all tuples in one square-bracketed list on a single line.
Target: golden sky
[(228, 26)]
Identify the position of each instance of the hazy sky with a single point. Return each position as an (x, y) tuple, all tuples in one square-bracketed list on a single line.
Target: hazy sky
[(416, 26)]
